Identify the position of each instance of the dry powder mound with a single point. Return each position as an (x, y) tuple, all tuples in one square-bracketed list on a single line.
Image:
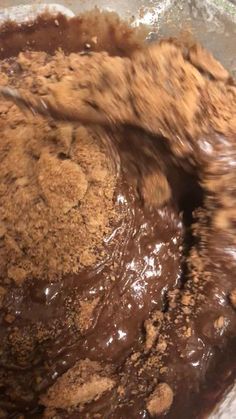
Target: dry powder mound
[(84, 382), (57, 186)]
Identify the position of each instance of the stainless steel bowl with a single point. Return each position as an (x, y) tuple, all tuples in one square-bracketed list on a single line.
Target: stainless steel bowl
[(213, 23)]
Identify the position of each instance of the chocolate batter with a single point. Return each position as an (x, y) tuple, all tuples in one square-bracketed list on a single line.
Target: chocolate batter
[(147, 329)]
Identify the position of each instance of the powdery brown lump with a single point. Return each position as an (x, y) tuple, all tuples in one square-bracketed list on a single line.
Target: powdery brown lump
[(57, 189), (82, 384), (160, 400)]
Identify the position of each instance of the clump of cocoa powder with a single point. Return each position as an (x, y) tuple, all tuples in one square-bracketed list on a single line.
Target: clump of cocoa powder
[(85, 381), (160, 400), (57, 185)]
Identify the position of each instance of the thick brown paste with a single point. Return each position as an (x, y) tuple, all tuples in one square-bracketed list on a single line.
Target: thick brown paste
[(117, 225)]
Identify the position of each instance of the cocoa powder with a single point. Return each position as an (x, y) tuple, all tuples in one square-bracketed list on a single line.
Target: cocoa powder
[(57, 183)]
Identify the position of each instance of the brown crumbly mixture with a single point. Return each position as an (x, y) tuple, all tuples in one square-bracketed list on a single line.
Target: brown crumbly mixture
[(204, 61), (84, 318), (57, 187), (187, 98), (162, 91), (109, 92), (83, 383), (155, 189), (166, 74), (160, 400)]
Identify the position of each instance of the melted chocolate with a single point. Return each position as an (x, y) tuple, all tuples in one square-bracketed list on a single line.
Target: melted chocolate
[(73, 35), (144, 263)]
